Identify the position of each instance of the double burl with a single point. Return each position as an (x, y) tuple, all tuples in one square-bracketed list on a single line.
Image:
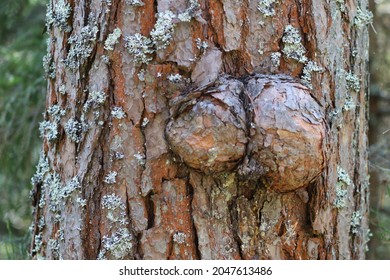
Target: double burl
[(267, 127)]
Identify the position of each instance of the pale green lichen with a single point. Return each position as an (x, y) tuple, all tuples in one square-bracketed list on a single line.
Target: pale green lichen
[(48, 130), (201, 45), (349, 104), (81, 47), (41, 223), (119, 244), (112, 202), (48, 62), (341, 5), (53, 187), (192, 11), (82, 202), (353, 82), (343, 176), (355, 221), (49, 66), (162, 33), (308, 70), (116, 209), (112, 39), (141, 75), (62, 89), (145, 122), (267, 7), (73, 129), (118, 113), (140, 157), (58, 14), (343, 182), (179, 237), (56, 112), (363, 18), (140, 47), (38, 242), (70, 187), (293, 48), (138, 3), (54, 247), (42, 168), (175, 78), (275, 59), (95, 100)]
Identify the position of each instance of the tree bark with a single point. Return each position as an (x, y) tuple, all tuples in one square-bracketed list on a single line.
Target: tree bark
[(114, 182)]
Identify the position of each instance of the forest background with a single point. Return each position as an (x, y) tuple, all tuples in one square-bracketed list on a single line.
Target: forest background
[(22, 101)]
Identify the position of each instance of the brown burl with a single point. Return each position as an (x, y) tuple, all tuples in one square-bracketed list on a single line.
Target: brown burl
[(267, 127)]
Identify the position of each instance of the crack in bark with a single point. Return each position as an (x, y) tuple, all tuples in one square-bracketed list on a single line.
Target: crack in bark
[(150, 209), (232, 207), (195, 233)]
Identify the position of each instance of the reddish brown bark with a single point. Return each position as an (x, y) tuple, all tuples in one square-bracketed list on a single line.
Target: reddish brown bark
[(141, 200)]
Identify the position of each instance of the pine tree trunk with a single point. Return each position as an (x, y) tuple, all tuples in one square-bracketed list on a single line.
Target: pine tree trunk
[(204, 130)]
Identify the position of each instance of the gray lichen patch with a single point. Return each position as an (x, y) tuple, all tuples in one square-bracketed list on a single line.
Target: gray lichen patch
[(293, 48), (57, 15), (81, 46), (112, 39)]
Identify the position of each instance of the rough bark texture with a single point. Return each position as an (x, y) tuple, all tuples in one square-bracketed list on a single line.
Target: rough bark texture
[(108, 184)]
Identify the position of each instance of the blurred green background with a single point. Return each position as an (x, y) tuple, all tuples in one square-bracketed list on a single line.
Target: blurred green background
[(22, 98)]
